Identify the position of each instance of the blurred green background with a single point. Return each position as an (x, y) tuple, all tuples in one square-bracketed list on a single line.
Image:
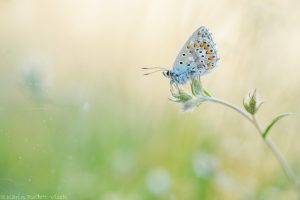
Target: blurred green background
[(78, 118)]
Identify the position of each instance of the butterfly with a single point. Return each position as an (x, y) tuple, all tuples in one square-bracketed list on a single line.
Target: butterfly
[(197, 57)]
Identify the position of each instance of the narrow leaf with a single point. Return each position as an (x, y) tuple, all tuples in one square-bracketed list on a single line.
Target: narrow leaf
[(196, 87), (182, 96), (206, 93), (175, 100), (274, 121)]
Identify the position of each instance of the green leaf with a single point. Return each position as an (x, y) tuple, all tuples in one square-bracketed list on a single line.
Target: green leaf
[(182, 96), (196, 87), (274, 121), (175, 100), (247, 107), (206, 93)]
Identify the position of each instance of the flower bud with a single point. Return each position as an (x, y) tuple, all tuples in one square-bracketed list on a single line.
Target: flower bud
[(252, 102)]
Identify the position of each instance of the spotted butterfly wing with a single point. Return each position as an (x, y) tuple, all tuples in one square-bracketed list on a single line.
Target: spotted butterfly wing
[(197, 57)]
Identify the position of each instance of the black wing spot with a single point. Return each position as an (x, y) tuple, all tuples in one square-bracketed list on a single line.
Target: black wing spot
[(183, 54), (180, 62)]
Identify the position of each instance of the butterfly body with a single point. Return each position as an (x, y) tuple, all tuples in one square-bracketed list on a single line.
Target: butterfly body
[(197, 57)]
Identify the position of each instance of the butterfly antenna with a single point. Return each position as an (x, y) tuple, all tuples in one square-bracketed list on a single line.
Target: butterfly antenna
[(154, 72), (154, 68)]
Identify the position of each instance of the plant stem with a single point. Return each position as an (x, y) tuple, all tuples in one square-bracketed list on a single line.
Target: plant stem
[(268, 140), (277, 153)]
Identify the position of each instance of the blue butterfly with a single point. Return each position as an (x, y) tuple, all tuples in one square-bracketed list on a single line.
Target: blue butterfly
[(197, 57)]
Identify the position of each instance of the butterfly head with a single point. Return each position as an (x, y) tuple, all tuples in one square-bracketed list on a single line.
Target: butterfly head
[(168, 73)]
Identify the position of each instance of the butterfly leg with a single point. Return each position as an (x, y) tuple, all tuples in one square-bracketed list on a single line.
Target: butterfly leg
[(174, 84), (174, 89)]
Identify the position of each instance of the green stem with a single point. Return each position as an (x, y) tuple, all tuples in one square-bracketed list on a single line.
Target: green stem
[(276, 152)]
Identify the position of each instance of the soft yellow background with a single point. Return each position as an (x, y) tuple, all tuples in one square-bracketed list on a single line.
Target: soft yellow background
[(78, 118)]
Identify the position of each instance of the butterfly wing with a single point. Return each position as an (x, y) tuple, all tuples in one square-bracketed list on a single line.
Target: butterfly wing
[(198, 56)]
